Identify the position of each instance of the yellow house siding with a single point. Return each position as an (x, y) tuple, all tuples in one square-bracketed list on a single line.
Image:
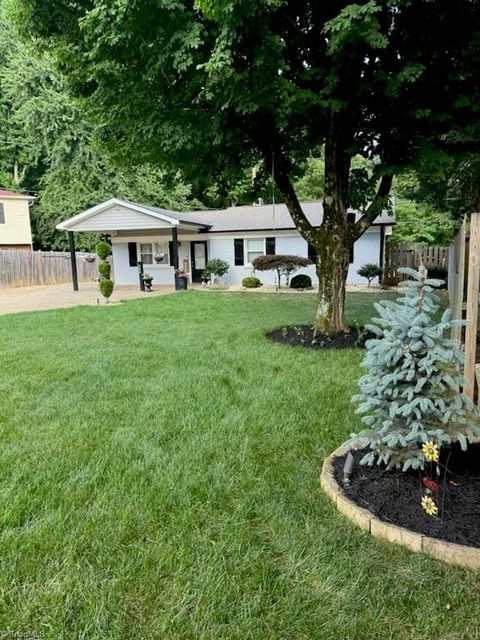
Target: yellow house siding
[(16, 228)]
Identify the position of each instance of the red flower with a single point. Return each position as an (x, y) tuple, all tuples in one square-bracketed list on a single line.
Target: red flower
[(430, 484)]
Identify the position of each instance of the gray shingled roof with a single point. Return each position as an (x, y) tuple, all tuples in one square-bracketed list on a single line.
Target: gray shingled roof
[(258, 217), (191, 218)]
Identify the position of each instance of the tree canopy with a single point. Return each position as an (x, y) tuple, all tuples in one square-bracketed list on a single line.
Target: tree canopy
[(217, 86), (50, 146)]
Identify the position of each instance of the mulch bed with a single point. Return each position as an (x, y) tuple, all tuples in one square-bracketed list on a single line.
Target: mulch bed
[(394, 496), (302, 335)]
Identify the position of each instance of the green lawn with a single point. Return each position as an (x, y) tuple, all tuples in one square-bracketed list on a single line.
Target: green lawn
[(159, 478)]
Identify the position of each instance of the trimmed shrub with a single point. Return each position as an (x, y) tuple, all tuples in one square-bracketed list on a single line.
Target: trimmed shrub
[(104, 270), (284, 265), (106, 288), (103, 250), (215, 267), (251, 282), (370, 271), (301, 281)]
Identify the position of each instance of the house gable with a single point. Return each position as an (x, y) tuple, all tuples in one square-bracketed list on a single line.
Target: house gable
[(118, 217)]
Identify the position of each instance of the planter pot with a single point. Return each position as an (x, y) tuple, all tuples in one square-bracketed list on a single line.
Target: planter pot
[(148, 285), (180, 283)]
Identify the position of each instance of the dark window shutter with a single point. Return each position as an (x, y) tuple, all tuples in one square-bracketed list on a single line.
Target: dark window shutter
[(170, 252), (312, 253), (270, 246), (2, 213), (351, 219), (132, 254), (238, 249)]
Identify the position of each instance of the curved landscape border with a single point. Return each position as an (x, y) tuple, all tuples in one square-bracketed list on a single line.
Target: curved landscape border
[(456, 554)]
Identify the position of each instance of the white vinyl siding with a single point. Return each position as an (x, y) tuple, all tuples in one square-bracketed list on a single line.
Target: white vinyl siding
[(15, 222), (119, 218)]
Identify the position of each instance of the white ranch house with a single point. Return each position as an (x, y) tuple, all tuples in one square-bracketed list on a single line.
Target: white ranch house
[(141, 233)]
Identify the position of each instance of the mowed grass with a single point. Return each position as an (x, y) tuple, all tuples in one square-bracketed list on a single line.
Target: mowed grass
[(159, 478)]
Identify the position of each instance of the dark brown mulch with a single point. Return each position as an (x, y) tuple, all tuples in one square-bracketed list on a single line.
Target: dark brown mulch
[(303, 335), (395, 497)]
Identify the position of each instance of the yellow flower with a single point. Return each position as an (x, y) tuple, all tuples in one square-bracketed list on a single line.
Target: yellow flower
[(430, 451), (429, 506)]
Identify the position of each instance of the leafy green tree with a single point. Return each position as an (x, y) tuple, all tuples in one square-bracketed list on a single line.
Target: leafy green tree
[(214, 86), (58, 155), (310, 185), (422, 223), (18, 170)]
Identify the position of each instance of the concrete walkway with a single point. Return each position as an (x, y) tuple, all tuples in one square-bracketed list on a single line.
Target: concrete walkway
[(56, 296)]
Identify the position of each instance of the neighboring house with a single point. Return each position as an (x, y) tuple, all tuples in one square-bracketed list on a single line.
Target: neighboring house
[(15, 230), (141, 233)]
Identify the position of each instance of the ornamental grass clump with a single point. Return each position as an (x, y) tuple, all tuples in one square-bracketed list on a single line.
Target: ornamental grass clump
[(410, 395)]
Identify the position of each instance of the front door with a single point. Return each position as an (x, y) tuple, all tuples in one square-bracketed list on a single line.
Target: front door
[(199, 259)]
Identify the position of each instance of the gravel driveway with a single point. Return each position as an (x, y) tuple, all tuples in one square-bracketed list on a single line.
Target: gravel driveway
[(55, 296)]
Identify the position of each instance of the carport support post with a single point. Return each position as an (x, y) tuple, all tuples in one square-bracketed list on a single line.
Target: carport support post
[(73, 260), (175, 247), (175, 252)]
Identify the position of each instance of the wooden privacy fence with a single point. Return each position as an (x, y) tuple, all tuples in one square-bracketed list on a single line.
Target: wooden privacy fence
[(403, 254), (25, 268)]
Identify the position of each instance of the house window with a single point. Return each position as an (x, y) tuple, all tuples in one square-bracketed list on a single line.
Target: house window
[(270, 246), (239, 252), (146, 253), (161, 253), (2, 213), (255, 248)]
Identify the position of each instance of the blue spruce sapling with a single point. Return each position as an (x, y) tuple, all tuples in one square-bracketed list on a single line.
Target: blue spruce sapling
[(410, 394)]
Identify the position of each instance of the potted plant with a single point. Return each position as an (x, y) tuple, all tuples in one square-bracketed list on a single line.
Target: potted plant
[(147, 281), (181, 279), (159, 257)]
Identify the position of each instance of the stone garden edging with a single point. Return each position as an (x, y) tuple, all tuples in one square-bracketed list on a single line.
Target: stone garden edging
[(456, 554)]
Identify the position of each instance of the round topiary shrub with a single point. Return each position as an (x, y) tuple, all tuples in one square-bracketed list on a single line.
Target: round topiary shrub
[(103, 250), (104, 270), (251, 282), (301, 281), (106, 288)]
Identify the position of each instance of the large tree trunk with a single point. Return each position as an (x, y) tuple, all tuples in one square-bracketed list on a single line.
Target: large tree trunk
[(332, 269), (336, 235), (334, 238)]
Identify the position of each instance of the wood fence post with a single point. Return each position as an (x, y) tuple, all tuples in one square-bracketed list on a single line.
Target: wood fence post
[(456, 276), (472, 304)]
